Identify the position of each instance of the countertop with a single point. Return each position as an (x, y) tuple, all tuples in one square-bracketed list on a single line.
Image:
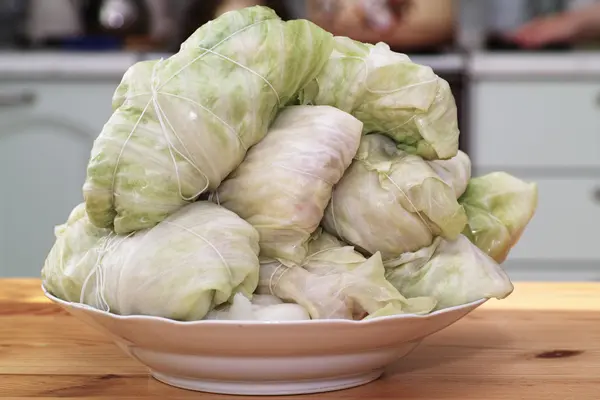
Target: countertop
[(73, 65), (66, 65), (543, 342)]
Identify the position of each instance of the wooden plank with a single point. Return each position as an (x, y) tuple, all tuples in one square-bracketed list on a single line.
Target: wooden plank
[(389, 387)]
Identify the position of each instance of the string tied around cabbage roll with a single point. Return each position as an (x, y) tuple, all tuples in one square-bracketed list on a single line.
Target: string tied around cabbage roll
[(182, 268)]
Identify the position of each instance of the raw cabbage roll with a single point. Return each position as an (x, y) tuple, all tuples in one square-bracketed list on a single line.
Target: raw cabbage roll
[(335, 282), (453, 272), (182, 124), (499, 207), (286, 180), (262, 307), (77, 248), (394, 202), (194, 260), (391, 95)]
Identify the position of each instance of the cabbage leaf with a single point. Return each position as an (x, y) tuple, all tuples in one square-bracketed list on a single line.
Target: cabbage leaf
[(453, 272), (77, 249), (499, 207)]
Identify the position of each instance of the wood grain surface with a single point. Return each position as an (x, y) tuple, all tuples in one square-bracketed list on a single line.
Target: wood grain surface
[(543, 342)]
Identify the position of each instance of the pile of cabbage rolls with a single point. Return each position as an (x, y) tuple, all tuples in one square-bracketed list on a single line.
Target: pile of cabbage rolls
[(272, 171)]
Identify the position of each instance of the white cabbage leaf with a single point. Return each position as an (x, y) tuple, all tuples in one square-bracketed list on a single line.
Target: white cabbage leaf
[(182, 124), (262, 307), (391, 95), (194, 260), (453, 272), (77, 248), (394, 202), (286, 180), (456, 171), (499, 207)]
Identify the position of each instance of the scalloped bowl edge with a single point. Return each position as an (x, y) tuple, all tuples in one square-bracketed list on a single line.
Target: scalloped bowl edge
[(262, 357)]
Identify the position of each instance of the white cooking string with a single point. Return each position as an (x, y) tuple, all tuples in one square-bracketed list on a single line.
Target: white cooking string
[(106, 245), (302, 172), (273, 284), (214, 197), (161, 119), (247, 69), (93, 271), (206, 241)]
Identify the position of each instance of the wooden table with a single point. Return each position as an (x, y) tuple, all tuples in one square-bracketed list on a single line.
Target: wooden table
[(543, 342)]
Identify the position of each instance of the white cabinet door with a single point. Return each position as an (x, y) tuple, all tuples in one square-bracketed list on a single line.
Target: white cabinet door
[(46, 134), (535, 124), (565, 226)]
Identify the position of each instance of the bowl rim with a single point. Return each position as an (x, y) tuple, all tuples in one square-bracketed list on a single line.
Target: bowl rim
[(347, 322)]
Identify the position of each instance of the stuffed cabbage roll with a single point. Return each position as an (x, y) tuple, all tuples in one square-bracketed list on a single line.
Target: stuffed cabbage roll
[(499, 207), (336, 282), (453, 272), (78, 247), (182, 124), (286, 180), (196, 259), (391, 95), (393, 202)]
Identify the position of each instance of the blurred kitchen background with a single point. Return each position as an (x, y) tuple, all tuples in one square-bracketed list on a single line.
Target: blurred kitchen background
[(528, 104)]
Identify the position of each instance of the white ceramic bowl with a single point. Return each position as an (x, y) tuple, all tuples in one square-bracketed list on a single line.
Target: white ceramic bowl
[(266, 358)]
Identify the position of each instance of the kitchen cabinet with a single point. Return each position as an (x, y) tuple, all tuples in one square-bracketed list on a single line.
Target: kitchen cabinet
[(47, 128), (563, 226), (545, 129), (548, 123)]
